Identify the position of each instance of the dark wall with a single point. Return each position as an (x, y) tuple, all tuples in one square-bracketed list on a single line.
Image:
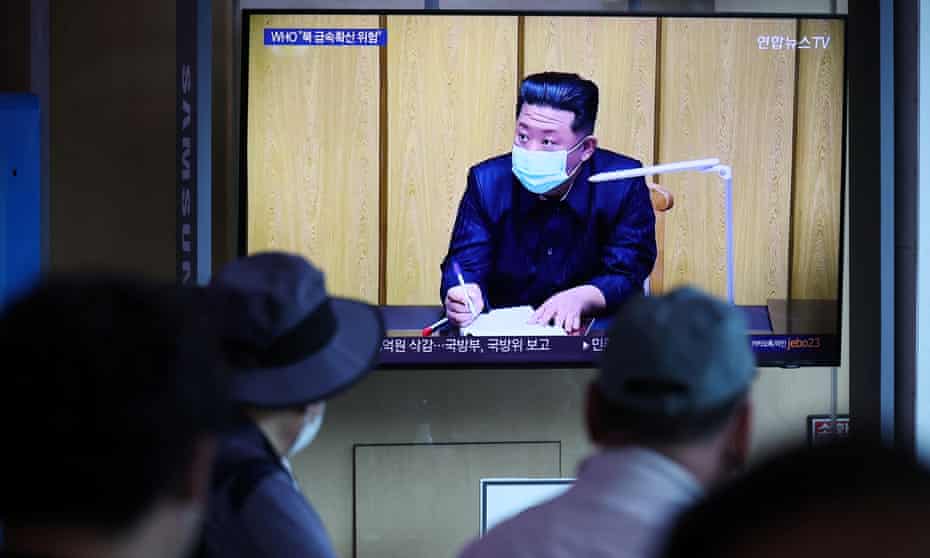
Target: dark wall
[(14, 45), (112, 136), (225, 135)]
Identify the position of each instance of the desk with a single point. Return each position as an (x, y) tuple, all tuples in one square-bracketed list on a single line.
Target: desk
[(801, 336), (409, 321)]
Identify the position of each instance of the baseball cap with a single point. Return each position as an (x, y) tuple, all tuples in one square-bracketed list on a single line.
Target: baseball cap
[(678, 354)]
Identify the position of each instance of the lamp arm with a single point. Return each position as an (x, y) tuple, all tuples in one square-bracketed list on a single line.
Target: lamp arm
[(726, 174)]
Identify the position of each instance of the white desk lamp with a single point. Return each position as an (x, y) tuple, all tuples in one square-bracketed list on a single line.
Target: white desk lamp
[(699, 165)]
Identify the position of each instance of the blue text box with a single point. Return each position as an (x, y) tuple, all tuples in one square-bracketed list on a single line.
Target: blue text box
[(325, 37)]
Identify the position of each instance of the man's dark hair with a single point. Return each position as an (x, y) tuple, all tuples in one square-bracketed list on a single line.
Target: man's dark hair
[(106, 388), (562, 91), (846, 485), (653, 428)]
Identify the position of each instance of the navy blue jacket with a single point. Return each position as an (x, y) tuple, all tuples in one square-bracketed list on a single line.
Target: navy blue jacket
[(521, 248), (256, 508)]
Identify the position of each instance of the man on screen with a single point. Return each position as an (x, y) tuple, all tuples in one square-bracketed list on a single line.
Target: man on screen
[(531, 230)]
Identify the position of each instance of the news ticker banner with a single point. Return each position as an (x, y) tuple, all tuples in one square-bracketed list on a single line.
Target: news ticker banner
[(325, 37), (458, 350)]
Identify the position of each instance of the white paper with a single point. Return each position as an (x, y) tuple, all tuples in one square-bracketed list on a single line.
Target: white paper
[(505, 322)]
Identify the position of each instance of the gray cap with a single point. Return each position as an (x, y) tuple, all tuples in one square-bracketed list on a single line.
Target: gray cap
[(677, 354)]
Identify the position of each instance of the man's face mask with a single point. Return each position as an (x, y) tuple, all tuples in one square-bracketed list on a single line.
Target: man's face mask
[(541, 171), (307, 433)]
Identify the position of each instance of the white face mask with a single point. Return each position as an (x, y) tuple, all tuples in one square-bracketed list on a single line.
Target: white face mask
[(308, 432), (541, 171)]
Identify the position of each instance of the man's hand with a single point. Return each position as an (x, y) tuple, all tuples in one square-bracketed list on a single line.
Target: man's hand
[(457, 305), (566, 308)]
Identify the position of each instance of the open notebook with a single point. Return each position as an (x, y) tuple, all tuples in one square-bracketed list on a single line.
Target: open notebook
[(509, 322)]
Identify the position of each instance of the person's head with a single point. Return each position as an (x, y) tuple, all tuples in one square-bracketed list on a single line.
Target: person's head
[(290, 345), (111, 394), (554, 133), (843, 500), (676, 377)]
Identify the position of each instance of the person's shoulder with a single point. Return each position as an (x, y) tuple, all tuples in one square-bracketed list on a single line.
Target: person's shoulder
[(613, 192), (493, 169), (531, 532), (497, 161), (275, 496), (606, 160), (277, 486), (505, 539), (278, 513)]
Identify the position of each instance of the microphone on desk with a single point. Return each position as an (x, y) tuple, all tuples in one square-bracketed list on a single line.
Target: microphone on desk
[(430, 329)]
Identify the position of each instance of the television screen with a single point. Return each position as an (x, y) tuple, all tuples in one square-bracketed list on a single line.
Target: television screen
[(499, 183)]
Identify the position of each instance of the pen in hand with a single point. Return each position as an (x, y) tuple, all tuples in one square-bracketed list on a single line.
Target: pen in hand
[(458, 273)]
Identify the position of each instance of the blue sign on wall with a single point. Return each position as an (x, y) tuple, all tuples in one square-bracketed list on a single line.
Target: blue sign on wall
[(20, 233)]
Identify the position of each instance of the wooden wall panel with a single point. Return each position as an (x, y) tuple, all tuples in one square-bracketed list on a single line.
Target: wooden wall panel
[(818, 153), (415, 501), (626, 80), (619, 55), (720, 96), (451, 84), (313, 148)]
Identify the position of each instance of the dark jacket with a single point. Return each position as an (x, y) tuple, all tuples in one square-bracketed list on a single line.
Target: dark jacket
[(521, 249), (256, 508)]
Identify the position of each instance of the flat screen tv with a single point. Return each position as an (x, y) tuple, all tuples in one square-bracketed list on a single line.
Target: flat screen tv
[(524, 174)]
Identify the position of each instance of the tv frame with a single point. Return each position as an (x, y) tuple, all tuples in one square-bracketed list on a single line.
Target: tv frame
[(242, 218)]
